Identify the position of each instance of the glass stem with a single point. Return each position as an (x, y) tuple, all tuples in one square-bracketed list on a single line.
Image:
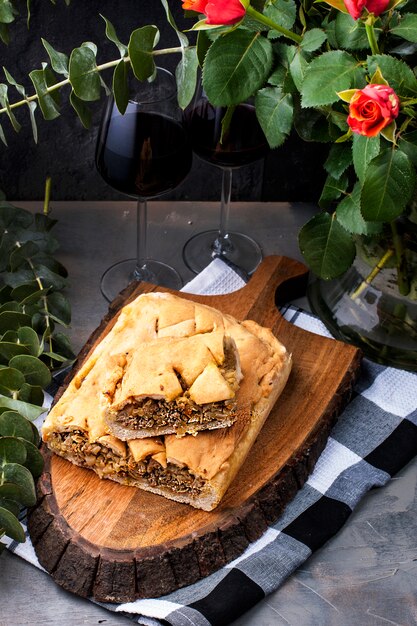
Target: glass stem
[(141, 271), (222, 243)]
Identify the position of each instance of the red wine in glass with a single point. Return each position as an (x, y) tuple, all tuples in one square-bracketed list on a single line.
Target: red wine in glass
[(240, 143), (143, 153)]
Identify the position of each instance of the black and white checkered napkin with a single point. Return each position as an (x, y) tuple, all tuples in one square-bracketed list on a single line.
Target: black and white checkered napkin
[(374, 438)]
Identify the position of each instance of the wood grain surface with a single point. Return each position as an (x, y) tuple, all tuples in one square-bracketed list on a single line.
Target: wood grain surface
[(116, 543)]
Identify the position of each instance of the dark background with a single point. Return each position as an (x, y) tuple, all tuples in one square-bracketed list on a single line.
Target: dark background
[(66, 150)]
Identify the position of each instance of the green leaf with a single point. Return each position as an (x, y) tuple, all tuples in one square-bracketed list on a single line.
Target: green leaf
[(388, 186), (30, 411), (112, 36), (329, 73), (407, 27), (12, 81), (332, 190), (34, 459), (63, 346), (274, 110), (11, 525), (408, 145), (348, 214), (32, 106), (20, 476), (326, 246), (339, 159), (59, 307), (7, 12), (81, 109), (203, 45), (4, 101), (59, 60), (236, 66), (34, 371), (48, 101), (12, 216), (29, 339), (186, 76), (9, 349), (13, 424), (181, 36), (283, 13), (298, 68), (11, 379), (83, 73), (364, 149), (141, 44), (11, 451), (121, 86), (31, 393), (350, 33), (396, 72), (10, 505), (313, 39), (10, 320)]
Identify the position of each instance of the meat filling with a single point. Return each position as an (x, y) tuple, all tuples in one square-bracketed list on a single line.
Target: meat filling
[(107, 464), (151, 413)]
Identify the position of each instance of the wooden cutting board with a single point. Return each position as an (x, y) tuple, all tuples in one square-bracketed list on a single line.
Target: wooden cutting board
[(116, 543)]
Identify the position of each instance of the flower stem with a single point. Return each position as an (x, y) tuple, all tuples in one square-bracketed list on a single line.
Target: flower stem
[(369, 27), (263, 19), (402, 274), (46, 208), (375, 271)]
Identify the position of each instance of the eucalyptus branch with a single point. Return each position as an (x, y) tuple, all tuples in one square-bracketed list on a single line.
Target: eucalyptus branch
[(375, 271), (99, 68)]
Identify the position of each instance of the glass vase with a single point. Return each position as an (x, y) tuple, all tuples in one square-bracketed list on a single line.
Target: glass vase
[(369, 311)]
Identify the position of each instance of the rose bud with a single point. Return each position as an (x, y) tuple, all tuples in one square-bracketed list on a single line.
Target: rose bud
[(217, 12), (372, 109), (355, 7)]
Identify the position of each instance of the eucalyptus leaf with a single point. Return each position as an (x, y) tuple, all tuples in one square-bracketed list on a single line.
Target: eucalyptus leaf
[(181, 36), (186, 76), (12, 424), (112, 36), (29, 339), (12, 81), (63, 345), (48, 100), (11, 378), (4, 101), (12, 321), (9, 349), (34, 371), (83, 74), (7, 12), (32, 394), (10, 505), (11, 216), (11, 525), (16, 474), (30, 411), (81, 110), (274, 110), (326, 246), (121, 85), (34, 459), (141, 44), (59, 60), (12, 450), (388, 186), (236, 66)]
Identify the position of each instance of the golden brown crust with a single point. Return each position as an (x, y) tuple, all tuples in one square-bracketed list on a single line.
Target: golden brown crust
[(214, 456)]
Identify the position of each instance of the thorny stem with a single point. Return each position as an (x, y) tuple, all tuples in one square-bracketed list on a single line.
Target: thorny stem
[(375, 271), (98, 68)]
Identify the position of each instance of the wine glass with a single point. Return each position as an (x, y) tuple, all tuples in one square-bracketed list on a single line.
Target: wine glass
[(143, 153), (241, 144)]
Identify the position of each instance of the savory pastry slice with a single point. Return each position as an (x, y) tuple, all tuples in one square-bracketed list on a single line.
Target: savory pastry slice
[(193, 469), (174, 385)]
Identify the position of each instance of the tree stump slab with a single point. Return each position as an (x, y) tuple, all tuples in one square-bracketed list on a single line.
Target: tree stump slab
[(116, 543)]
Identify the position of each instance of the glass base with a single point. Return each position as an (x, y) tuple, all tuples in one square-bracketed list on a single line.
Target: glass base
[(242, 250), (375, 318), (118, 276)]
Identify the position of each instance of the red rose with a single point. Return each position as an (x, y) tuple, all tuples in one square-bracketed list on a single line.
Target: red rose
[(217, 12), (372, 109), (355, 7)]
